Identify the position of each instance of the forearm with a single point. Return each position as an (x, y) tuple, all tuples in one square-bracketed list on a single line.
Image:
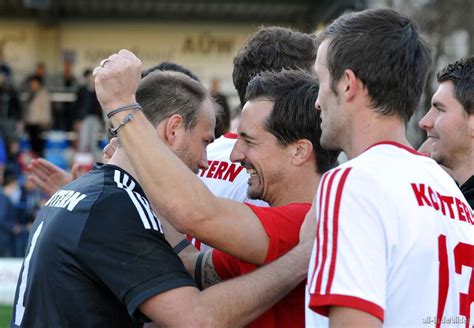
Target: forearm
[(239, 301), (179, 196), (164, 177), (200, 266), (189, 254)]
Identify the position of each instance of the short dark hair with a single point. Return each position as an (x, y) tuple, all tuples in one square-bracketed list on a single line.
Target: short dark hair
[(294, 116), (272, 48), (170, 66), (386, 52), (461, 73), (165, 93)]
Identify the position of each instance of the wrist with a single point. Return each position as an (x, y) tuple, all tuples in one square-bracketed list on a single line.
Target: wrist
[(301, 255), (110, 106), (126, 119)]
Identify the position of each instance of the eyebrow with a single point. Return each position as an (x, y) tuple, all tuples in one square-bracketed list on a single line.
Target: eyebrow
[(246, 136)]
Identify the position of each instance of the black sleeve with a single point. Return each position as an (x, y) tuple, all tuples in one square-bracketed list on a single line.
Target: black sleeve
[(129, 256)]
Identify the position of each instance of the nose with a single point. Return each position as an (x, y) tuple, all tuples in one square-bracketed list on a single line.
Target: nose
[(237, 155), (426, 121), (316, 104), (203, 164)]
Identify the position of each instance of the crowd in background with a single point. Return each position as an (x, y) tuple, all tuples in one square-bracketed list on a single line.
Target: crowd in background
[(30, 125), (27, 113)]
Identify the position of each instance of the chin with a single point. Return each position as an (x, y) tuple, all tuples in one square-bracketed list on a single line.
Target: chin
[(326, 144), (254, 194)]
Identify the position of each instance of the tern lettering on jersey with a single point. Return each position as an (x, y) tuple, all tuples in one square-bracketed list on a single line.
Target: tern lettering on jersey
[(448, 205), (222, 170), (65, 199)]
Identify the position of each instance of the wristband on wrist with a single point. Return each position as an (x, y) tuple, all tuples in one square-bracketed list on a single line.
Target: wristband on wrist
[(181, 245), (197, 271), (128, 118), (123, 108)]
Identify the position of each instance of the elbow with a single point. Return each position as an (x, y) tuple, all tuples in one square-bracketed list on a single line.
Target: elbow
[(204, 317)]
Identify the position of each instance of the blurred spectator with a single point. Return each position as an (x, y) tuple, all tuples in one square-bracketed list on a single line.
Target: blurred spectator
[(223, 120), (39, 73), (16, 224), (10, 110), (26, 199), (38, 113), (3, 159), (5, 69), (13, 163), (90, 115), (69, 81), (63, 111), (7, 224)]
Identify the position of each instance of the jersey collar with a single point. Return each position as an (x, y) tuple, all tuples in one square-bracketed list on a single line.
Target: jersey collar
[(399, 145)]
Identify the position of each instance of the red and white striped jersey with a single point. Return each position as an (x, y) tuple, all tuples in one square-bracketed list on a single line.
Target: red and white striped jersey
[(395, 239)]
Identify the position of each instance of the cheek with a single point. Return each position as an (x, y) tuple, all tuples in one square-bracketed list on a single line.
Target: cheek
[(322, 94), (200, 150), (444, 127)]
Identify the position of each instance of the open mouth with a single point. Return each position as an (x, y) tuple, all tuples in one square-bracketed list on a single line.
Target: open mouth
[(251, 172)]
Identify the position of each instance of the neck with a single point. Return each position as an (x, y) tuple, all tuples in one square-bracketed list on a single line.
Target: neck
[(120, 159), (303, 190), (373, 128), (463, 170)]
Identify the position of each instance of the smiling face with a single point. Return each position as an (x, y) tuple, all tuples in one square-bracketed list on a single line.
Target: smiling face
[(449, 128), (192, 143), (259, 152), (333, 118)]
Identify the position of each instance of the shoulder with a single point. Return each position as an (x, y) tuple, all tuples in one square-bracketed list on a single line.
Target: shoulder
[(123, 202), (290, 211), (378, 168)]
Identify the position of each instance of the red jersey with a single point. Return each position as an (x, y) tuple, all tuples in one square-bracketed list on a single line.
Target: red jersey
[(282, 225)]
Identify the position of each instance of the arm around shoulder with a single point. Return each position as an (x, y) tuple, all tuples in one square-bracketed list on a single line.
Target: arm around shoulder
[(232, 303)]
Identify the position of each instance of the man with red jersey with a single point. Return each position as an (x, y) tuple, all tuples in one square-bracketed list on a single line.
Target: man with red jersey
[(270, 48), (277, 145)]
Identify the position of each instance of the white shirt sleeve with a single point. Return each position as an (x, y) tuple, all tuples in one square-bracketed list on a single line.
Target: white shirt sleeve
[(350, 255)]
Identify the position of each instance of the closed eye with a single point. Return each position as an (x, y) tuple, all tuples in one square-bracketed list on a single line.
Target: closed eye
[(439, 107)]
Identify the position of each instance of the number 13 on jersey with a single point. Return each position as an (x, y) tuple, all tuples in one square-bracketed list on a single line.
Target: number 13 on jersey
[(463, 256)]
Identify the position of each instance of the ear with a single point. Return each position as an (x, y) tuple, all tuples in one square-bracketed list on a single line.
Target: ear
[(174, 125), (471, 125), (351, 85), (301, 150)]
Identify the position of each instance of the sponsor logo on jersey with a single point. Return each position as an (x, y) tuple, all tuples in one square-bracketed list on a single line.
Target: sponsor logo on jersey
[(67, 199), (222, 170), (450, 206)]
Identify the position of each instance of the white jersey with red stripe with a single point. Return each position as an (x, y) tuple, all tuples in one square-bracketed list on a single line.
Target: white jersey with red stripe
[(224, 178), (395, 239)]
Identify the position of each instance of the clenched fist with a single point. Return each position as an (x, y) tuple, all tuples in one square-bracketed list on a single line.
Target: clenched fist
[(116, 80)]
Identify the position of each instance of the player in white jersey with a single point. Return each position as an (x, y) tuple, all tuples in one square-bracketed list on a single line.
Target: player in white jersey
[(394, 240), (377, 244)]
